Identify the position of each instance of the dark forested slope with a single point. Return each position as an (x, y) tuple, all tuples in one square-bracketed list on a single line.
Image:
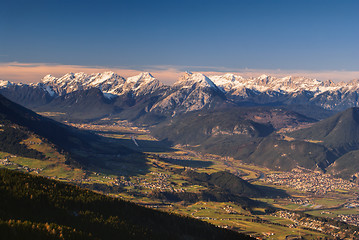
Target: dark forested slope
[(36, 207)]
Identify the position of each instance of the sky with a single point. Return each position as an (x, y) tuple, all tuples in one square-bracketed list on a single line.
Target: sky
[(317, 38)]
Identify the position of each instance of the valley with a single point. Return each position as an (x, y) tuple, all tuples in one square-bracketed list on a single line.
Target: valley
[(293, 208), (179, 120)]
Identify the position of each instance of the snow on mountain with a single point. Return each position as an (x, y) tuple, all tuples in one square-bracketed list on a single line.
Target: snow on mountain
[(196, 80), (44, 87), (141, 84), (189, 79), (263, 83), (228, 81), (145, 83), (108, 82), (4, 84), (195, 91)]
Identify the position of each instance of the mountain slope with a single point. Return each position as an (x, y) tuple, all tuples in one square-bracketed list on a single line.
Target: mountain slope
[(226, 182), (193, 91), (27, 95), (198, 126), (84, 147), (346, 166), (33, 206), (81, 105), (219, 132), (339, 132), (231, 131), (279, 154)]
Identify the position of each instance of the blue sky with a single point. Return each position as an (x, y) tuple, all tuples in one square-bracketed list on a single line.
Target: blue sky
[(316, 35)]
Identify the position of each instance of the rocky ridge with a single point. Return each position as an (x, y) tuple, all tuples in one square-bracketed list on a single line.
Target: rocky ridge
[(193, 91)]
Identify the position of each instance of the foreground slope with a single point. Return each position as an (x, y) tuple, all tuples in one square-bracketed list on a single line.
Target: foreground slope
[(37, 207)]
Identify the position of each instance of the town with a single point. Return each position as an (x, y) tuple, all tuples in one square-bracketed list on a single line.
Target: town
[(309, 181)]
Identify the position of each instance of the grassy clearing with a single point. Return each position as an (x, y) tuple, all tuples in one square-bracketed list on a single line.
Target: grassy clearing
[(51, 114), (328, 202), (30, 162)]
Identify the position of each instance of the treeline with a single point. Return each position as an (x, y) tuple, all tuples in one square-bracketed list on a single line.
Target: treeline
[(36, 206), (17, 230)]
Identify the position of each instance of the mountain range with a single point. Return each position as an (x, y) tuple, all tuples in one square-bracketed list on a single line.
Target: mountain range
[(145, 97), (246, 118)]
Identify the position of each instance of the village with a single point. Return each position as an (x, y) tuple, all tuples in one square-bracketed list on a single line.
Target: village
[(158, 181), (6, 162), (305, 222), (352, 219), (309, 181)]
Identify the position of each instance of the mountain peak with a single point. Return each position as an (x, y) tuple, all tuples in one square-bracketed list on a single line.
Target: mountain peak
[(198, 80), (69, 75), (147, 75), (4, 83), (192, 77), (48, 78), (230, 76), (263, 76), (142, 77)]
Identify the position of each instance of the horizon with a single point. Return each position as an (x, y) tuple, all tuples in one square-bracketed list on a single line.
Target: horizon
[(34, 72), (315, 39)]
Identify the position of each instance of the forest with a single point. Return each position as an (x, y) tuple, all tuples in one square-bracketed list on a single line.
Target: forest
[(33, 207)]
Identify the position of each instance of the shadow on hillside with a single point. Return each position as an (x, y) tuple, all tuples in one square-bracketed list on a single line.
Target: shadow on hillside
[(109, 156), (146, 145), (272, 192)]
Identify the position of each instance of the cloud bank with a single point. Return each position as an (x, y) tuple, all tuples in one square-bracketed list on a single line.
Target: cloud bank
[(34, 72)]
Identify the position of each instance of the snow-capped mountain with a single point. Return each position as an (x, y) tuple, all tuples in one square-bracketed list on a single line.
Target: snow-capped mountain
[(264, 83), (193, 91), (70, 82), (108, 82), (142, 84), (4, 83)]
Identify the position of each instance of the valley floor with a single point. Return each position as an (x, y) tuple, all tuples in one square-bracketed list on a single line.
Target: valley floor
[(316, 202)]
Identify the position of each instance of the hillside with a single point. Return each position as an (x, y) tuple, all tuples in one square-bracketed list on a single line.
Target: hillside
[(346, 166), (81, 105), (82, 147), (230, 131), (227, 183), (329, 145), (280, 154), (36, 207), (249, 134), (339, 132)]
